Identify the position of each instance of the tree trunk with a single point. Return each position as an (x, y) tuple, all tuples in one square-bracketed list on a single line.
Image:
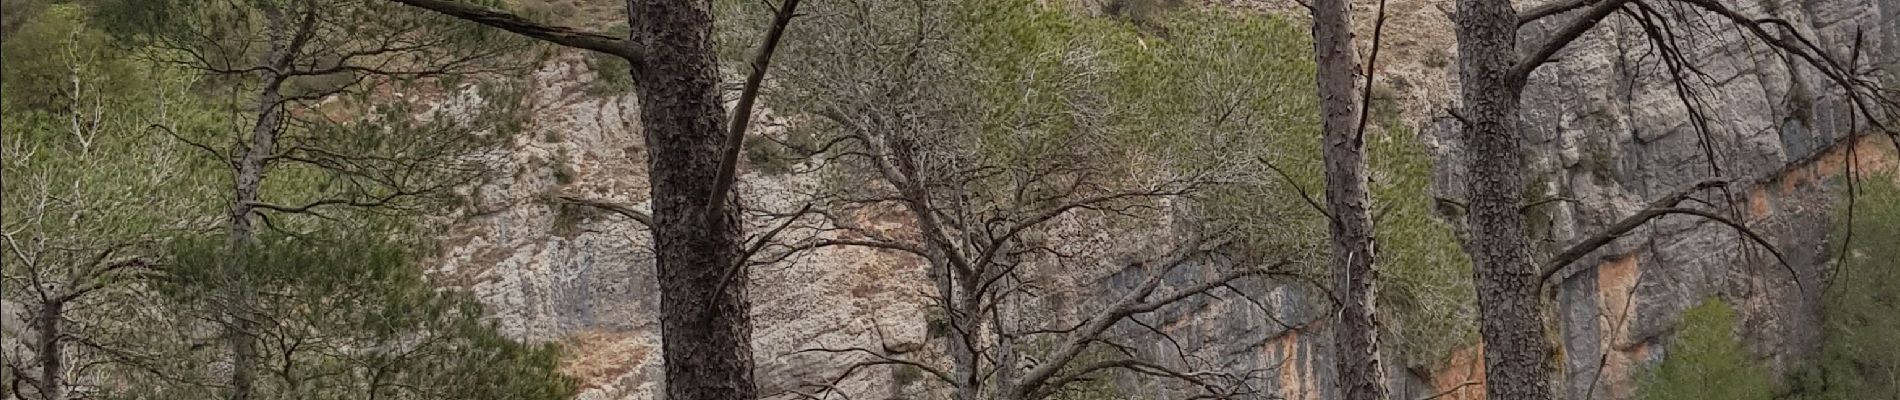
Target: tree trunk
[(1494, 176), (962, 320), (248, 177), (706, 334), (1005, 343), (1356, 336), (51, 382)]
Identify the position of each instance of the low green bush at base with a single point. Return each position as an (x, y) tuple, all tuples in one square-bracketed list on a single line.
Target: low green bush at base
[(1705, 360)]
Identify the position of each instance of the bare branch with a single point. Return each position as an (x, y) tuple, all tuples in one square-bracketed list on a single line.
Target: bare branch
[(881, 359), (1453, 389), (1653, 213), (559, 35), (1017, 229), (1372, 69), (1550, 10), (1616, 230), (1197, 290), (1563, 38), (636, 215), (742, 115), (757, 244), (1297, 188), (1134, 302)]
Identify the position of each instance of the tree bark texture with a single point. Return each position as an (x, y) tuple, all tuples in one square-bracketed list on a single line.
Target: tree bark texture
[(1506, 279), (51, 382), (1356, 335), (705, 326), (706, 334)]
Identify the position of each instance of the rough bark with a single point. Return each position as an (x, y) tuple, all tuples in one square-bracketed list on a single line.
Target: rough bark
[(1006, 356), (1356, 334), (51, 382), (966, 320), (705, 329), (1506, 279), (706, 334)]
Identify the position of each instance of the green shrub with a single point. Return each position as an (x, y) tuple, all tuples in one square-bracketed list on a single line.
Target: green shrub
[(611, 77), (768, 157), (1705, 361), (1860, 352), (1425, 293), (48, 52), (350, 316)]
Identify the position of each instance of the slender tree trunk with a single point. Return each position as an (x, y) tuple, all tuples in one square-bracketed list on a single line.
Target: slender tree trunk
[(957, 338), (1356, 336), (1494, 176), (964, 320), (249, 169), (248, 178), (51, 382), (706, 333), (1005, 343)]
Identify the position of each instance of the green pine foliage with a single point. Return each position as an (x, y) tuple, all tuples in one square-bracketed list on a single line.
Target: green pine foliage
[(1212, 90), (1705, 360), (348, 315), (106, 190), (1860, 353), (1425, 292)]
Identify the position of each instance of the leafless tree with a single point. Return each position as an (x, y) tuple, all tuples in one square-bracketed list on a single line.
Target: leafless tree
[(984, 230), (993, 216), (1493, 74), (71, 249)]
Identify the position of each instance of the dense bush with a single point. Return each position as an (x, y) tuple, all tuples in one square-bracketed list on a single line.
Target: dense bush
[(350, 316), (1704, 360)]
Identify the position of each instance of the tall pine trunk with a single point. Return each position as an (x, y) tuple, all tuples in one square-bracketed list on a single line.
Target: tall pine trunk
[(1356, 335), (48, 351), (705, 326), (705, 333), (247, 179), (1506, 279)]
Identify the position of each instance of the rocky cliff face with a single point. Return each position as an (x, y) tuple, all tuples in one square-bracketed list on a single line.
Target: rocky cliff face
[(1606, 131), (553, 271), (1610, 131)]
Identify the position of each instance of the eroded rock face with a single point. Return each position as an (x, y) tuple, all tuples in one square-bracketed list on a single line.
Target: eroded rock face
[(583, 277), (551, 271)]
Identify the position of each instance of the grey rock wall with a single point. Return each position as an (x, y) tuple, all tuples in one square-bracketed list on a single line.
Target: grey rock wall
[(584, 278)]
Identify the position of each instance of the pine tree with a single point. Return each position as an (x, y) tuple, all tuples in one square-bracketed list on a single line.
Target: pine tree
[(1705, 360)]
